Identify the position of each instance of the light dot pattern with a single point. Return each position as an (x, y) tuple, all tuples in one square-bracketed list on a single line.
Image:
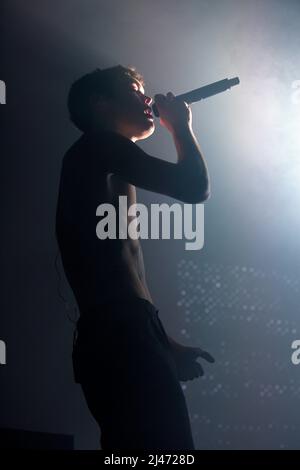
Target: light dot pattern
[(247, 319)]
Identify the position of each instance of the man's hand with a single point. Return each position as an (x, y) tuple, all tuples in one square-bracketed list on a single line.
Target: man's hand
[(174, 114), (186, 360)]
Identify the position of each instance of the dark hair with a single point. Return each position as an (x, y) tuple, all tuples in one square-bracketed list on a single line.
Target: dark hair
[(97, 82)]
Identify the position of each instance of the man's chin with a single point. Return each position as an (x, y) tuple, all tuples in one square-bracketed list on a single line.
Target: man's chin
[(147, 131)]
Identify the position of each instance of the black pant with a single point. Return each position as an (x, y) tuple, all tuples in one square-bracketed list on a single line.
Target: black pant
[(123, 360)]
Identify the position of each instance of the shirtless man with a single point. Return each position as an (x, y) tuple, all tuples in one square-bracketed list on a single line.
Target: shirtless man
[(129, 369)]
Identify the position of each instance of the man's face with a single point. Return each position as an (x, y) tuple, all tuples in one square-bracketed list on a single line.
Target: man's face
[(133, 109)]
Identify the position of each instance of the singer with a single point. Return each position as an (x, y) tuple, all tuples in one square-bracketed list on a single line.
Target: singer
[(128, 368)]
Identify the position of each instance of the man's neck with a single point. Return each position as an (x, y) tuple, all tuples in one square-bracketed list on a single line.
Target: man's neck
[(113, 128)]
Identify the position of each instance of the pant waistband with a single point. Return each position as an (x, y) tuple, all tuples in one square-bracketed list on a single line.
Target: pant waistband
[(101, 313)]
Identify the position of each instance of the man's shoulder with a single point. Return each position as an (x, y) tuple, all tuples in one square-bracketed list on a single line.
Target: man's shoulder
[(96, 152), (78, 153), (75, 147)]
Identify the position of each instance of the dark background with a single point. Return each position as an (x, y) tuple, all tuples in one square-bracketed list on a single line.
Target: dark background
[(239, 296)]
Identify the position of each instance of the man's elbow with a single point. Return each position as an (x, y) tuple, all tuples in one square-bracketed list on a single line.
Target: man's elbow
[(198, 188), (198, 198), (204, 196), (197, 195)]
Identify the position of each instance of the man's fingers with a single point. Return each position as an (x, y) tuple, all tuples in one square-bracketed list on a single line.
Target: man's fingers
[(208, 357), (170, 95), (193, 373), (199, 369), (158, 98), (205, 355)]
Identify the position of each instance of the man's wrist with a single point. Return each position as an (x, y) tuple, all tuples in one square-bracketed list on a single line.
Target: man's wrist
[(182, 131)]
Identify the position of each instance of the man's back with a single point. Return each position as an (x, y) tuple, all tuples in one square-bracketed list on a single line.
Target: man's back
[(97, 270)]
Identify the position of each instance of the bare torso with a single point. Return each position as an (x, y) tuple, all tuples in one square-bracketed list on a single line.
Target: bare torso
[(133, 278), (98, 270)]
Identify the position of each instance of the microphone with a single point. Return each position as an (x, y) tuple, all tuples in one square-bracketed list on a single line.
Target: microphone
[(204, 92)]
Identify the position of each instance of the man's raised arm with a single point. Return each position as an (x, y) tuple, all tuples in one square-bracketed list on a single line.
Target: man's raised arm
[(187, 180)]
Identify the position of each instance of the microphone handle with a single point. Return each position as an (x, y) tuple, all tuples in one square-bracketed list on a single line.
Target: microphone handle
[(204, 92)]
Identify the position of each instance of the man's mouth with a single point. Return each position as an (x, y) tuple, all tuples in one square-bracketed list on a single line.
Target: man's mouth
[(148, 112)]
